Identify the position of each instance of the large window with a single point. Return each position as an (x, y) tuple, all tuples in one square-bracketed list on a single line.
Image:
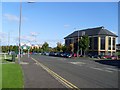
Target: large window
[(90, 44), (109, 43), (95, 43), (66, 42), (102, 43), (70, 41), (113, 43)]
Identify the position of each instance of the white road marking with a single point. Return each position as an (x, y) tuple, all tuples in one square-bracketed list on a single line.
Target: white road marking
[(96, 68), (61, 59), (77, 63), (112, 69), (100, 69)]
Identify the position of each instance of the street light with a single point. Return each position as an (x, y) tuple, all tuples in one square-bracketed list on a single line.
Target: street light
[(20, 29), (78, 45)]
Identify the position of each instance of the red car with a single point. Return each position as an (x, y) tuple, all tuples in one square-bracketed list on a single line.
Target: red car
[(107, 57), (114, 57), (110, 57)]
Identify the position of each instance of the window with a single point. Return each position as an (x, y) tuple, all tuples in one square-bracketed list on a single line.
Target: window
[(109, 43), (70, 41), (113, 43), (66, 42), (102, 43), (90, 44), (95, 43), (83, 33)]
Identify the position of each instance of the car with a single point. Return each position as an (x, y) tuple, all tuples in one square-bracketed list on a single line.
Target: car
[(98, 56), (60, 54), (74, 55), (67, 55), (114, 57), (51, 54), (107, 57)]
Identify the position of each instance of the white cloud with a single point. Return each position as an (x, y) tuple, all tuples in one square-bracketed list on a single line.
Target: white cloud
[(34, 33), (114, 32), (66, 25), (27, 38), (11, 17)]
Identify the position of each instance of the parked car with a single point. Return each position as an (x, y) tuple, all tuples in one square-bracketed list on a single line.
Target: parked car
[(114, 57), (107, 57), (74, 55), (67, 55), (98, 56)]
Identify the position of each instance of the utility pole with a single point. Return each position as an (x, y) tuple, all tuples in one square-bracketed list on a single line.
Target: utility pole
[(78, 45)]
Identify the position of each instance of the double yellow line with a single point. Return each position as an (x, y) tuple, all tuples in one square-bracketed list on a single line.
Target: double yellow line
[(56, 76)]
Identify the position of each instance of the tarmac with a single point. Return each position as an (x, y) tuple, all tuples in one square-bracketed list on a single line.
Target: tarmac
[(36, 77)]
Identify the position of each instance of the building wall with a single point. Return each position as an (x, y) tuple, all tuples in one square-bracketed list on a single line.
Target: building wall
[(99, 44)]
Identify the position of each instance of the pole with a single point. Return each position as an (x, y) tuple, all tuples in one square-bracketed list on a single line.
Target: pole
[(78, 45), (28, 53), (73, 45), (8, 42), (20, 31)]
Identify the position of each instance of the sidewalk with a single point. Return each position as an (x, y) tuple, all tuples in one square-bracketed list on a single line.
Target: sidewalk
[(36, 77)]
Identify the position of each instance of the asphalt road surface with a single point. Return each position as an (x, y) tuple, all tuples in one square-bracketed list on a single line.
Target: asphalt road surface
[(55, 72)]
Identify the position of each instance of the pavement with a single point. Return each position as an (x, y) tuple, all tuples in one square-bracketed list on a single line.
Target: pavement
[(81, 73), (36, 77)]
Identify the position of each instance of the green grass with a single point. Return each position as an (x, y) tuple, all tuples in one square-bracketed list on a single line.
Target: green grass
[(12, 76), (0, 76)]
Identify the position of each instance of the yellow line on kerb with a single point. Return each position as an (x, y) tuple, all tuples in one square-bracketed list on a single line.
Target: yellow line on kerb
[(56, 76)]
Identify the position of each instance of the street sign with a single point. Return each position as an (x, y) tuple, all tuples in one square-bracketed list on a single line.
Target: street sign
[(25, 47)]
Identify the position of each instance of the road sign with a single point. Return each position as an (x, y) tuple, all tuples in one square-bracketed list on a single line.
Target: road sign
[(25, 47)]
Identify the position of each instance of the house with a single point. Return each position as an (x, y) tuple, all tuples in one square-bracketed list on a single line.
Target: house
[(102, 41)]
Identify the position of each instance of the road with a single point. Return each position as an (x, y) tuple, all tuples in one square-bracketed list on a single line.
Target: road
[(70, 73)]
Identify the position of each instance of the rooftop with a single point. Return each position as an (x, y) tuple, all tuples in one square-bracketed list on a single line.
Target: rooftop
[(91, 32)]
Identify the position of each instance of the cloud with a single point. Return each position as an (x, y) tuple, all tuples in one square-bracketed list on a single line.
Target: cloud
[(34, 33), (66, 25), (11, 17), (114, 32)]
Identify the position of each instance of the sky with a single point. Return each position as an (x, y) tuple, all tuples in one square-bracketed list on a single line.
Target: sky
[(52, 21)]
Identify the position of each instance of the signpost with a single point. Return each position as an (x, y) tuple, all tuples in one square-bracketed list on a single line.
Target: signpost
[(26, 47)]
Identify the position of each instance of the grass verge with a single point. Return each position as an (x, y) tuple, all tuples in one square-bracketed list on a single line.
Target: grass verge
[(12, 76), (0, 76)]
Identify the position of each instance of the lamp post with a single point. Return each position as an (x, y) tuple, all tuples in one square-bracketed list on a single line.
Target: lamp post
[(20, 19), (78, 45), (20, 31)]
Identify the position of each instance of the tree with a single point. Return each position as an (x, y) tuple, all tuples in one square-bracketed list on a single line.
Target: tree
[(59, 46), (84, 43), (55, 49), (70, 48), (64, 48), (45, 46)]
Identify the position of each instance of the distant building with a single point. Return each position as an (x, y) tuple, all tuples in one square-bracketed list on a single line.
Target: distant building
[(118, 47), (101, 40), (36, 46)]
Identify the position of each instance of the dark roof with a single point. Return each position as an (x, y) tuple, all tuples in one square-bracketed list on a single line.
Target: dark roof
[(91, 32)]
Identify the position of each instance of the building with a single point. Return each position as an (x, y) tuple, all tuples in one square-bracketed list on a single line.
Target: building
[(118, 47), (36, 46), (102, 41)]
